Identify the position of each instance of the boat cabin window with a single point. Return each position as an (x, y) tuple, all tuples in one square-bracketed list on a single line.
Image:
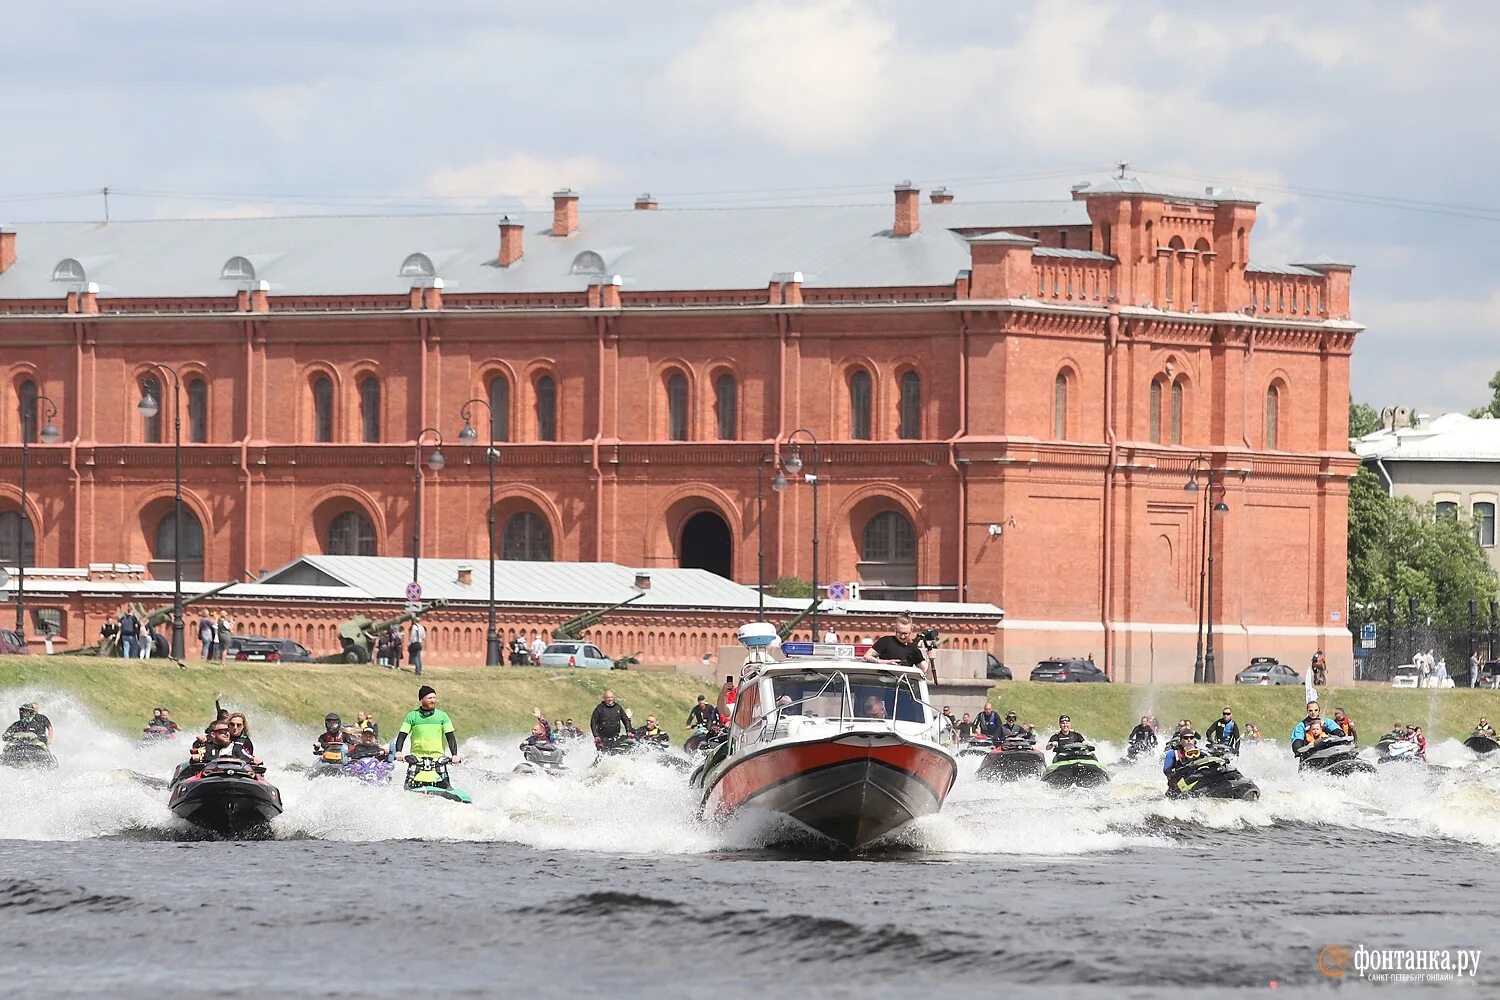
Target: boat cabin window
[(747, 706), (875, 696)]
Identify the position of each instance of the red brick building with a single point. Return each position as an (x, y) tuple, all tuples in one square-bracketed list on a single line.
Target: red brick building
[(1008, 400)]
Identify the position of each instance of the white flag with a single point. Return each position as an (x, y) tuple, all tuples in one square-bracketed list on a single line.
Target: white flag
[(1312, 692)]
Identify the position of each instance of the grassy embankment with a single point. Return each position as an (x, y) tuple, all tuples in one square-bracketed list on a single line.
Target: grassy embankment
[(121, 694)]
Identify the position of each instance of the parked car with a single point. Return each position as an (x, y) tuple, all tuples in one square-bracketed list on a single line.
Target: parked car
[(1489, 674), (1267, 670), (262, 649), (576, 654), (995, 670), (10, 642), (1068, 671)]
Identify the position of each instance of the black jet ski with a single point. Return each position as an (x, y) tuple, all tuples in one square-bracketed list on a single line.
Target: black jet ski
[(1075, 765), (544, 759), (27, 749), (1013, 760), (226, 796), (1142, 746), (1481, 743), (977, 746), (1335, 755), (1211, 776), (1393, 749), (705, 738)]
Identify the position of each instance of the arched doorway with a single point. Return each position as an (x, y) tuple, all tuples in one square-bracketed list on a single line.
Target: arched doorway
[(706, 544)]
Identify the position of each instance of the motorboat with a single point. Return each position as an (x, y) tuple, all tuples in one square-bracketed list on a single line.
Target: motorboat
[(1012, 760), (227, 796), (823, 743)]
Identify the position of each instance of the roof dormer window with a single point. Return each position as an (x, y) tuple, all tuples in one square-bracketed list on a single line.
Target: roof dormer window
[(237, 269), (588, 262), (69, 270), (418, 265)]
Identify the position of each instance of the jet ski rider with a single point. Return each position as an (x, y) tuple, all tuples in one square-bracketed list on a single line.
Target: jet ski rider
[(1065, 734), (1484, 729), (1186, 753), (220, 744), (369, 746), (31, 721), (1300, 730), (702, 714), (333, 736), (539, 737), (609, 720), (1225, 730), (1312, 737), (988, 721), (1143, 735), (428, 726), (1009, 728)]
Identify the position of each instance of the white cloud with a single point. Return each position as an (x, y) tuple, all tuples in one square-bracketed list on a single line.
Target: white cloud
[(532, 179)]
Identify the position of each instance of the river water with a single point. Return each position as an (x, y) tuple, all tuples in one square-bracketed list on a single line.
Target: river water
[(603, 881)]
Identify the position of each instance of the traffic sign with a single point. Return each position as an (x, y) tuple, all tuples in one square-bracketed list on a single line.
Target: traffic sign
[(1367, 644), (1367, 634), (413, 591)]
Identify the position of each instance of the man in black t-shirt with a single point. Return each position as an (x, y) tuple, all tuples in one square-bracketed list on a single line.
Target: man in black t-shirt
[(702, 714), (901, 649), (1065, 734)]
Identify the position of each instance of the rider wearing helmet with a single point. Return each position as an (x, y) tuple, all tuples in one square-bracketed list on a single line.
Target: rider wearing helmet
[(333, 736), (1185, 753), (31, 721)]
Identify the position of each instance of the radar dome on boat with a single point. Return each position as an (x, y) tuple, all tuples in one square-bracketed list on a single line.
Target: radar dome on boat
[(756, 635)]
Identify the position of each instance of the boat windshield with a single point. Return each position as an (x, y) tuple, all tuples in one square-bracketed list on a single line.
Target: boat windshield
[(872, 696)]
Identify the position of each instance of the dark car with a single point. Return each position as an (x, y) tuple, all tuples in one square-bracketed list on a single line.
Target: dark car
[(260, 649), (995, 670), (1068, 671), (1267, 670), (10, 642)]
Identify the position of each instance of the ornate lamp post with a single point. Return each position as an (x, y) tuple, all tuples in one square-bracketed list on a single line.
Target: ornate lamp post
[(435, 462), (1203, 665), (149, 407), (468, 436), (48, 435), (791, 464)]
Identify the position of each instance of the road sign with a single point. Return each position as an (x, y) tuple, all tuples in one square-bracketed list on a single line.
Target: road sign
[(413, 591), (1367, 635), (1367, 644)]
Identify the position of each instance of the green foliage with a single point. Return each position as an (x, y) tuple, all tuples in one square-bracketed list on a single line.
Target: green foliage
[(1492, 408), (1363, 419), (791, 586), (1400, 548)]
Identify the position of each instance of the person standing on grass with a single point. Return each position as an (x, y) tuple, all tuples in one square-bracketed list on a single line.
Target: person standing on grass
[(416, 641), (225, 626)]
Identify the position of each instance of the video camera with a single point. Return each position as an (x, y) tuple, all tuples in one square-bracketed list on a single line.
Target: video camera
[(928, 637)]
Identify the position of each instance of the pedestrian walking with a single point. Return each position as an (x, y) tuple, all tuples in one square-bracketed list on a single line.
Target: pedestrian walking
[(206, 633), (538, 646), (128, 628), (1473, 670), (225, 626), (415, 642)]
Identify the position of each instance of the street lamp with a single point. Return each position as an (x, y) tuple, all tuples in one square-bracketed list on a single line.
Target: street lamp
[(49, 435), (1203, 665), (760, 534), (149, 407), (435, 462), (791, 464), (468, 436)]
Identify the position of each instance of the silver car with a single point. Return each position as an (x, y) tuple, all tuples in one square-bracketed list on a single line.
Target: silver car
[(1265, 670), (576, 654)]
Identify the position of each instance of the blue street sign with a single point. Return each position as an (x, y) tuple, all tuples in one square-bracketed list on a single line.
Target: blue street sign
[(1367, 632)]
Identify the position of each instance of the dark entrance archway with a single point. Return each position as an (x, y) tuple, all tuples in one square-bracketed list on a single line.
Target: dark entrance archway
[(706, 544)]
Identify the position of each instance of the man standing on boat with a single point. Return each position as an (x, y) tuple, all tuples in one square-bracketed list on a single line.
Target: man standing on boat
[(901, 649), (609, 719)]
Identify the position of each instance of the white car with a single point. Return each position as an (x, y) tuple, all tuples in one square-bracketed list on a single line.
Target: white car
[(576, 654), (1405, 676)]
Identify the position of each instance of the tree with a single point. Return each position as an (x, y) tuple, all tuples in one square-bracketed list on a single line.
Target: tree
[(1492, 408), (1363, 419), (792, 586)]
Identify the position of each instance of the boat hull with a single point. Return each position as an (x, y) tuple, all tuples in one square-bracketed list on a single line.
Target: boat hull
[(853, 789), (1012, 765), (1481, 745), (227, 806)]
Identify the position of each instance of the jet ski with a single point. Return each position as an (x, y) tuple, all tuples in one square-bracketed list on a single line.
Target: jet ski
[(226, 796), (1391, 749), (1075, 765), (26, 749), (1141, 746), (152, 735), (1335, 755), (429, 776), (705, 738), (1014, 759), (544, 759), (328, 761), (1211, 776), (371, 770), (977, 746), (1481, 744)]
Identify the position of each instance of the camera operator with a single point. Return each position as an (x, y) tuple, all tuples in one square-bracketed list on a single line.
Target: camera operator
[(906, 648)]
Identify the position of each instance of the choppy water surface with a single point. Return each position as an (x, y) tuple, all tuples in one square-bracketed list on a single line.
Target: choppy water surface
[(604, 881)]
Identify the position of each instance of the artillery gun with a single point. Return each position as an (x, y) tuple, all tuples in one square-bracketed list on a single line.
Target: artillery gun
[(572, 630), (152, 618), (785, 629), (357, 635)]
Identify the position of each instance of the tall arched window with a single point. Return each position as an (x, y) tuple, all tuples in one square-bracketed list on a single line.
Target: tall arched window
[(151, 426), (888, 556), (322, 393), (1447, 510), (726, 407), (677, 407), (910, 424), (526, 537), (28, 395), (1176, 434), (350, 534), (546, 409), (1154, 411), (165, 548), (1060, 406), (1273, 416), (499, 400), (17, 540), (859, 405), (1484, 523), (369, 409), (197, 394)]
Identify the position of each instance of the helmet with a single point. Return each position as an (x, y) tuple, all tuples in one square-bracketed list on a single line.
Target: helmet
[(331, 717)]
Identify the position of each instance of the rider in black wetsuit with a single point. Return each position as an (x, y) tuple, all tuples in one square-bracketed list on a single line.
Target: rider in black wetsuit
[(609, 720), (1065, 734), (31, 721), (1009, 728), (702, 714)]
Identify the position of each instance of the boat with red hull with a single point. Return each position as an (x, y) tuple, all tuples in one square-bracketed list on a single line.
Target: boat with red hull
[(824, 743)]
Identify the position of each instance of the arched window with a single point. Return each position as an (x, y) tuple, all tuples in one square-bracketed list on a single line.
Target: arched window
[(1447, 510), (151, 426), (350, 534), (911, 406), (369, 409), (1155, 411), (888, 556), (499, 393), (28, 394), (526, 537), (1176, 434), (197, 393), (1484, 524), (859, 405), (726, 406), (1273, 416), (322, 393), (677, 407), (165, 549), (546, 409), (17, 540), (1060, 406)]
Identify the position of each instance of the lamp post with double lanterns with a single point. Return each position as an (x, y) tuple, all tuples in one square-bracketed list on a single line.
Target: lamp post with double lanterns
[(47, 435), (1203, 665), (149, 407), (468, 436), (791, 465), (435, 462)]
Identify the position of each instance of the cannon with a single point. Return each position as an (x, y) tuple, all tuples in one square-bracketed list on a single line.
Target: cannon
[(357, 635), (785, 629), (572, 630), (153, 619)]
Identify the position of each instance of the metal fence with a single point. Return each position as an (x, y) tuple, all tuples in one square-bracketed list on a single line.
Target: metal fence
[(1399, 639)]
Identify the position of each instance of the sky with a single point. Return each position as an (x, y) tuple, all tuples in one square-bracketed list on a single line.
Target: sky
[(1358, 125)]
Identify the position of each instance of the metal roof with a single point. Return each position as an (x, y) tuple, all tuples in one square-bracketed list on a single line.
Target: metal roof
[(1287, 269), (1134, 185), (1071, 254), (1452, 437)]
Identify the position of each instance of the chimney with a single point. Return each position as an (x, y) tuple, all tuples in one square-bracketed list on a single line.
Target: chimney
[(645, 203), (642, 580), (466, 576), (908, 206), (511, 248), (432, 297), (260, 297), (941, 196), (8, 248), (564, 212)]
